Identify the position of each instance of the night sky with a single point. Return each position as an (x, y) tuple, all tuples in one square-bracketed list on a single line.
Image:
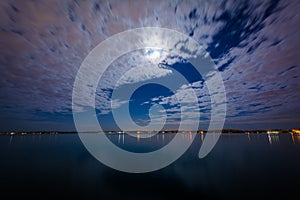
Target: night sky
[(254, 44)]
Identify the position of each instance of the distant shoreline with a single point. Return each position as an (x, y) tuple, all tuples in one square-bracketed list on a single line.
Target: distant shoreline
[(272, 131)]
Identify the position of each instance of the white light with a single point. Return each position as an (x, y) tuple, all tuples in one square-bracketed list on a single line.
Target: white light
[(154, 55)]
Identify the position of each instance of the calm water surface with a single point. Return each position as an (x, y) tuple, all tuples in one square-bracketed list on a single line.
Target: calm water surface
[(241, 166)]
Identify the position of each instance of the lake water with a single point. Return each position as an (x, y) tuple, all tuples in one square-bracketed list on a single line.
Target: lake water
[(241, 166)]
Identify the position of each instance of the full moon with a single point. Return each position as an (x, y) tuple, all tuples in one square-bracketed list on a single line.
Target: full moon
[(154, 55)]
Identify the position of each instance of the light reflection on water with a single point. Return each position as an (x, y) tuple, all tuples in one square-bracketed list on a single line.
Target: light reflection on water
[(58, 164), (273, 138), (295, 138), (145, 142), (160, 137)]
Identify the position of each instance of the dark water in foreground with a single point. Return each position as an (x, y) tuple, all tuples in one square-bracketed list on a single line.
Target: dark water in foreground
[(240, 166)]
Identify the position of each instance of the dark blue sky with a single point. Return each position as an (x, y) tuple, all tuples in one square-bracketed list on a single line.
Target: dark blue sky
[(254, 44)]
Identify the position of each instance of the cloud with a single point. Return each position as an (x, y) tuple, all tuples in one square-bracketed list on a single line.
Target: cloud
[(254, 44), (182, 106), (143, 73)]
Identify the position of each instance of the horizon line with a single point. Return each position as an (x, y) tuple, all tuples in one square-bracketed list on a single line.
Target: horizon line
[(150, 131)]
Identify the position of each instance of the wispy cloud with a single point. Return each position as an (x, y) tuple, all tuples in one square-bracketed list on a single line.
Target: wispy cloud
[(254, 44)]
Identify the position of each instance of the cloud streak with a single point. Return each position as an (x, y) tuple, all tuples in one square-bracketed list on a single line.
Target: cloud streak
[(254, 44)]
